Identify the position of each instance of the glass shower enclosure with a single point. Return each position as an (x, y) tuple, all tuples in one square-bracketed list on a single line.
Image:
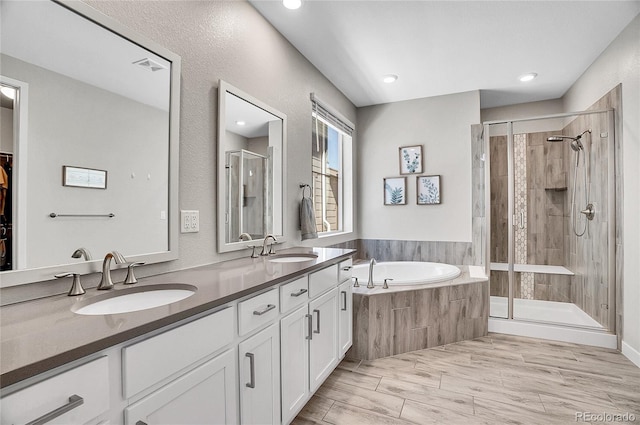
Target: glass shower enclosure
[(550, 212), (246, 195)]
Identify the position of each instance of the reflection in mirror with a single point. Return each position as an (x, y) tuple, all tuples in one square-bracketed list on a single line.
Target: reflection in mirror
[(97, 100), (251, 145)]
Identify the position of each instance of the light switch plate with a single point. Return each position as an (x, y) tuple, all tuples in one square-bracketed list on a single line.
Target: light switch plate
[(189, 221)]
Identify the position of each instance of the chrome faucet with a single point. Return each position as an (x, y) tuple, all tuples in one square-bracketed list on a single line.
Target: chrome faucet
[(264, 245), (106, 282), (82, 252), (372, 263)]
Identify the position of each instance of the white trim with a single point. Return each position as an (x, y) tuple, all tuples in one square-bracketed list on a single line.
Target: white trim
[(631, 353), (20, 149), (554, 333)]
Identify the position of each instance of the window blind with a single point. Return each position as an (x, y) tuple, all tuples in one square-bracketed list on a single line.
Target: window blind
[(326, 113)]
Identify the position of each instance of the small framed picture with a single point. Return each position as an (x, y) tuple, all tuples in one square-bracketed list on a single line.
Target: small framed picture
[(84, 177), (395, 189), (428, 190), (411, 159)]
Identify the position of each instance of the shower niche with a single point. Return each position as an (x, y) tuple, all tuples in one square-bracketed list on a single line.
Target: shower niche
[(551, 214)]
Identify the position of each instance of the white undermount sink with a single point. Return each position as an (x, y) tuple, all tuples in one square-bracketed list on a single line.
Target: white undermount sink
[(292, 258), (134, 299)]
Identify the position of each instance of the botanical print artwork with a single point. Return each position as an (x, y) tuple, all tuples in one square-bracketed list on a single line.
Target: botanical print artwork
[(428, 190), (394, 191), (411, 160)]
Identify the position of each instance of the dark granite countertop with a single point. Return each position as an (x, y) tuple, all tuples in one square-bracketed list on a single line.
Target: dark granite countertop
[(40, 335)]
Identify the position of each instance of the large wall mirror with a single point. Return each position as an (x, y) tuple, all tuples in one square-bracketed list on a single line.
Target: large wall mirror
[(251, 146), (89, 142)]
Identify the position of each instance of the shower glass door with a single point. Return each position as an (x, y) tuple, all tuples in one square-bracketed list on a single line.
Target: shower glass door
[(549, 262)]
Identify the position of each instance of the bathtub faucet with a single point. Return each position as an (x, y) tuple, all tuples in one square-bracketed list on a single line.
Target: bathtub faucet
[(372, 263)]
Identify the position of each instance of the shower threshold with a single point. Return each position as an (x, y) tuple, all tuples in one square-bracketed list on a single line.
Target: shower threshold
[(549, 320)]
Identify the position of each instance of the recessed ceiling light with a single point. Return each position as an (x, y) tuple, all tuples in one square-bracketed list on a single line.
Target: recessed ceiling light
[(528, 77), (390, 78), (241, 123), (9, 92), (292, 4)]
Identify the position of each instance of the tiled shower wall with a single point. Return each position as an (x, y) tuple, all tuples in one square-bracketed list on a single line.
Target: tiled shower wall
[(540, 197), (588, 256)]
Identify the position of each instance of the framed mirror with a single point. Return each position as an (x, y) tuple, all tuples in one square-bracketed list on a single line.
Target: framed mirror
[(251, 156), (84, 94)]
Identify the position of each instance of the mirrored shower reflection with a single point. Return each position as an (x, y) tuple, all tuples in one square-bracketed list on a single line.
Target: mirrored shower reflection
[(246, 194)]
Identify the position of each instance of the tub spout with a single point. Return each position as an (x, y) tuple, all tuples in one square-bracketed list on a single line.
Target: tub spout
[(372, 263)]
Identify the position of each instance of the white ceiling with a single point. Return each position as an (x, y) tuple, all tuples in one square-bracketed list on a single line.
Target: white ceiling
[(444, 47)]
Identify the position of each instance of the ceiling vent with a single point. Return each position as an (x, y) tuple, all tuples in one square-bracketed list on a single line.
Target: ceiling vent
[(149, 65)]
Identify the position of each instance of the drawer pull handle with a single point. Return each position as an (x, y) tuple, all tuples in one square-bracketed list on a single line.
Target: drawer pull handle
[(300, 292), (317, 331), (252, 371), (74, 401), (269, 307), (346, 269), (344, 298), (310, 327), (141, 423)]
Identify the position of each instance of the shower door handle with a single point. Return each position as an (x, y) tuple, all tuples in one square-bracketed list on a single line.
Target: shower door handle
[(522, 219)]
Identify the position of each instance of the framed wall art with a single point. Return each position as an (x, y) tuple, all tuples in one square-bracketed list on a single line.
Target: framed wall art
[(395, 189), (428, 188), (411, 159), (84, 177)]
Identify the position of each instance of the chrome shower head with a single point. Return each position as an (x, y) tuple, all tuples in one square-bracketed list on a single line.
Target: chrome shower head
[(576, 144)]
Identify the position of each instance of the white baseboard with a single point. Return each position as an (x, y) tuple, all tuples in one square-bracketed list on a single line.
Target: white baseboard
[(631, 353)]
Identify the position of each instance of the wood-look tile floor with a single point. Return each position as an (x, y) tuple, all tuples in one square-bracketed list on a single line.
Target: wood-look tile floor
[(497, 379)]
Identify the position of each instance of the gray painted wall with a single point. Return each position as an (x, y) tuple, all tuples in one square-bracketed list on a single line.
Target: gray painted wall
[(442, 125), (229, 40)]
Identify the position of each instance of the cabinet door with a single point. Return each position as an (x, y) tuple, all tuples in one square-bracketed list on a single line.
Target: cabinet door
[(206, 395), (345, 322), (260, 377), (323, 353), (294, 355)]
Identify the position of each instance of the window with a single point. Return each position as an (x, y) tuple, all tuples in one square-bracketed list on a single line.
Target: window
[(331, 170)]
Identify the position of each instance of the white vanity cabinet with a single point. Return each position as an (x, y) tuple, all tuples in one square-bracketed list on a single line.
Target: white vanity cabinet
[(259, 359), (315, 336), (206, 395)]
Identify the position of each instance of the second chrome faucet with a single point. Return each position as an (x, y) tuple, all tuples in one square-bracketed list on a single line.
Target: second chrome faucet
[(106, 282)]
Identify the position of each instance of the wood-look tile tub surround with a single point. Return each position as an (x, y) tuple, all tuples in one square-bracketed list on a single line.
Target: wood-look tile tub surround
[(410, 318)]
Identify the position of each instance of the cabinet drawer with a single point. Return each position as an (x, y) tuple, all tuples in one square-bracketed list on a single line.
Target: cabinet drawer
[(90, 382), (323, 280), (257, 311), (159, 357), (294, 294), (344, 270)]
